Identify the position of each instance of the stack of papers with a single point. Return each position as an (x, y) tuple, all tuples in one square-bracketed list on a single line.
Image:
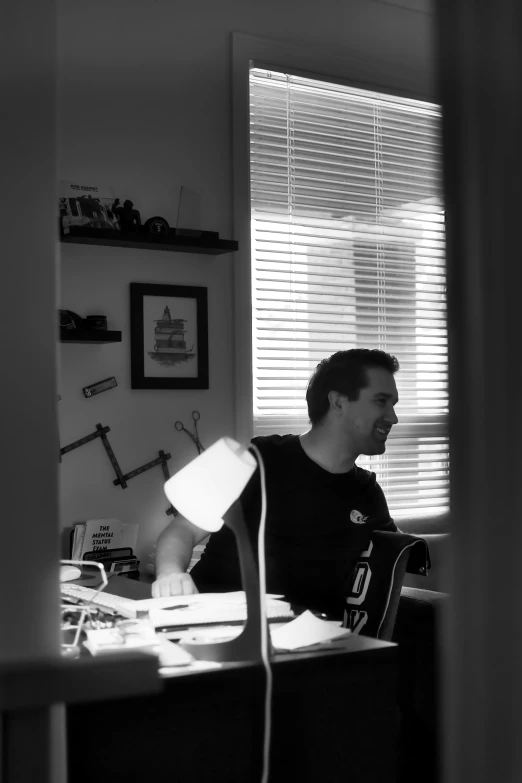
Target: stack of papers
[(207, 608), (303, 633), (112, 640), (223, 615)]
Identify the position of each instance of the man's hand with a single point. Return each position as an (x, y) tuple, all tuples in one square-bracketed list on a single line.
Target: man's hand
[(173, 584)]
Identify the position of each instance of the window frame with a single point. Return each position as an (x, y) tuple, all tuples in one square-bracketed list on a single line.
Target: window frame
[(249, 52)]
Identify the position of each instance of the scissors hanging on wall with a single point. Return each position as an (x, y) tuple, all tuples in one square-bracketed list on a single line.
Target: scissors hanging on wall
[(194, 437)]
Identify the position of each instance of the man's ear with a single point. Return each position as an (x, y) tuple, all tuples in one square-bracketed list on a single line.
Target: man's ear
[(335, 399)]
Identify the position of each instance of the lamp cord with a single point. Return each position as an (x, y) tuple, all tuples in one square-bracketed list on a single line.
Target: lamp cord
[(264, 623)]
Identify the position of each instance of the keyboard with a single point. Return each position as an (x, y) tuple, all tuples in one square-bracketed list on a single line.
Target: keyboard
[(113, 603)]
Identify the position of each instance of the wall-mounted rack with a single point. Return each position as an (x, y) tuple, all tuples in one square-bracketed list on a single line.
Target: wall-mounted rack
[(208, 244), (121, 480)]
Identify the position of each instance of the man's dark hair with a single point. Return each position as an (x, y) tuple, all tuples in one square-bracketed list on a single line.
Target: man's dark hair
[(343, 372)]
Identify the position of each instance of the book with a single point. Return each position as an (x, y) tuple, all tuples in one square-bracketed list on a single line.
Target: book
[(78, 536), (98, 535)]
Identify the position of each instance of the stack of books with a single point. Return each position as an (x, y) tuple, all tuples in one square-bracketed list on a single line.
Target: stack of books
[(108, 541)]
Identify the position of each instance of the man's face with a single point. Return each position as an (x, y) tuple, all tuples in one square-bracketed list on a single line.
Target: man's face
[(366, 422)]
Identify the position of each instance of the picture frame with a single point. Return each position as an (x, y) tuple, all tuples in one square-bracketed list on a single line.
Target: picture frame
[(169, 336)]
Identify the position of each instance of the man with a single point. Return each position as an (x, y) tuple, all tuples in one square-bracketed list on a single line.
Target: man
[(321, 507)]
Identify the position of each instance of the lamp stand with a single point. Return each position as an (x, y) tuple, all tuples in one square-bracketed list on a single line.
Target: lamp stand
[(246, 646)]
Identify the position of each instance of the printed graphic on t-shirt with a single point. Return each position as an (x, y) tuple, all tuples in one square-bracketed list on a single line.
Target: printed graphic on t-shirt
[(357, 517), (361, 579), (355, 620)]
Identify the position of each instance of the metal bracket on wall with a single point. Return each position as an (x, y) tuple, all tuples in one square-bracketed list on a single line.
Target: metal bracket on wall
[(121, 480)]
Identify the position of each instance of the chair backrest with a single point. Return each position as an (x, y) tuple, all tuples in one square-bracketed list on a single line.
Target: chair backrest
[(440, 555), (373, 600)]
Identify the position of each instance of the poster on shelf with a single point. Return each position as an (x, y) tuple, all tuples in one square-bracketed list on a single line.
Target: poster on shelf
[(86, 206)]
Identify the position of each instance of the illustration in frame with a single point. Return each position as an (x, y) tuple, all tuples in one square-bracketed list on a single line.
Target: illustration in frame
[(169, 336)]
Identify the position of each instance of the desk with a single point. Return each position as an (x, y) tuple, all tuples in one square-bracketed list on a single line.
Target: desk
[(333, 719)]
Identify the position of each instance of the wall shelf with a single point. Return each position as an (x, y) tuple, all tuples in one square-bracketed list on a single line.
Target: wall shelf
[(89, 336), (208, 244)]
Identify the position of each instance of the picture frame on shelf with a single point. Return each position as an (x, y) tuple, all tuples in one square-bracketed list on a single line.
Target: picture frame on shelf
[(169, 336)]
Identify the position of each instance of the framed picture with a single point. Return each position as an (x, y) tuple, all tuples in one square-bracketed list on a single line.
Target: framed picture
[(169, 336)]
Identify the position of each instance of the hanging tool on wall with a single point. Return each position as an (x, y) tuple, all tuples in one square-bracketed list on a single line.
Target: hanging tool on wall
[(195, 438), (114, 462), (101, 386), (121, 480), (82, 441), (165, 468)]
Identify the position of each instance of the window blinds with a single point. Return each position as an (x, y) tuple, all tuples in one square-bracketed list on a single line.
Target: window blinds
[(347, 228)]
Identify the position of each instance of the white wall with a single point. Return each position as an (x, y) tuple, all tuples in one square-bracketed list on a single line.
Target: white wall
[(145, 106), (96, 279)]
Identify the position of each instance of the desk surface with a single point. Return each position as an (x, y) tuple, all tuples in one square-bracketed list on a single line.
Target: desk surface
[(138, 589), (333, 718)]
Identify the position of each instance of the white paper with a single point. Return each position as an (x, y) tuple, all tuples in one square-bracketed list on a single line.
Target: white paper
[(237, 597), (207, 635), (171, 654), (306, 630), (195, 666), (205, 608)]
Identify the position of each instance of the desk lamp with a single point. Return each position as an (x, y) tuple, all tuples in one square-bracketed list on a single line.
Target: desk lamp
[(206, 492)]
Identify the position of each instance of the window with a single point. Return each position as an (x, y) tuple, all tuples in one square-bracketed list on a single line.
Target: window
[(347, 234)]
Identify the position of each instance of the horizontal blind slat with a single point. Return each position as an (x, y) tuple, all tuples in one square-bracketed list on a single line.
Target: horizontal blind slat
[(348, 251)]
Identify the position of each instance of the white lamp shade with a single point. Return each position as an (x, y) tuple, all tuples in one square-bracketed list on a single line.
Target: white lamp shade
[(205, 489)]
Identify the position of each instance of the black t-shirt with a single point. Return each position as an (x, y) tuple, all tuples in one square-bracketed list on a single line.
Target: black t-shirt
[(317, 525)]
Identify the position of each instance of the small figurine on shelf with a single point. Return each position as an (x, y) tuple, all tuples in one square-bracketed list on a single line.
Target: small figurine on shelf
[(128, 217)]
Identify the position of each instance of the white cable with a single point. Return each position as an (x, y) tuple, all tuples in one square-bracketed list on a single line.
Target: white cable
[(264, 623)]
